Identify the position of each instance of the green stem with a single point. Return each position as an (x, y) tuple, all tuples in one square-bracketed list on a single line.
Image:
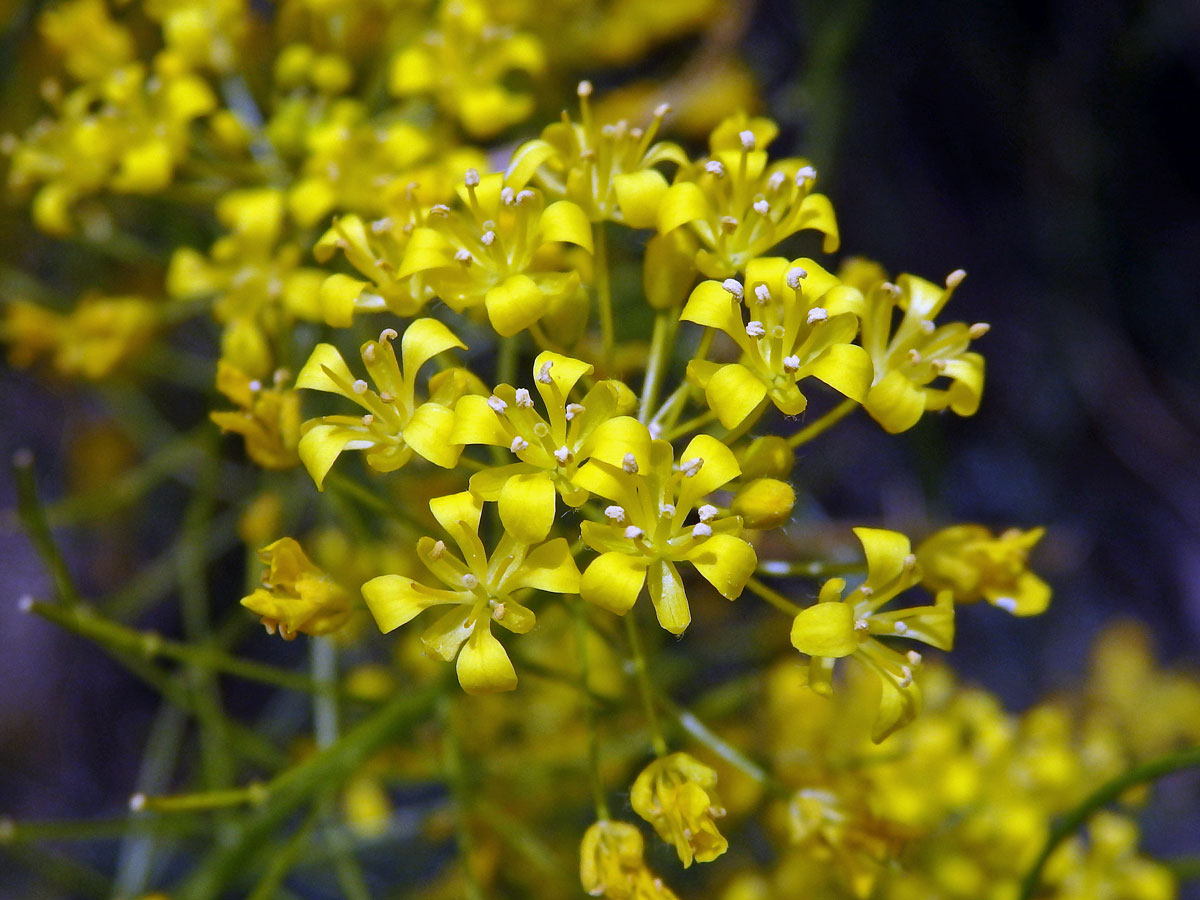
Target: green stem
[(779, 568), (656, 364), (687, 720), (589, 713), (33, 518), (284, 860), (1101, 797), (604, 306), (647, 690), (456, 777), (823, 424), (776, 599), (252, 794), (693, 424)]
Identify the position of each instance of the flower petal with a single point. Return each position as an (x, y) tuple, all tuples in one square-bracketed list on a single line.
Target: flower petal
[(395, 600), (726, 562), (324, 369), (428, 433), (825, 629), (483, 665), (720, 466), (564, 372), (551, 568), (613, 581), (514, 304), (566, 221), (668, 596), (322, 444), (682, 203), (422, 341), (710, 304), (733, 392), (846, 368), (886, 553), (527, 506), (640, 194), (895, 403), (477, 423)]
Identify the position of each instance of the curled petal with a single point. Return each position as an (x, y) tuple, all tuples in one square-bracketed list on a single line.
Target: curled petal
[(668, 596), (726, 562), (566, 221), (551, 567), (483, 665), (682, 203), (895, 402), (422, 341), (325, 371), (825, 629), (846, 368)]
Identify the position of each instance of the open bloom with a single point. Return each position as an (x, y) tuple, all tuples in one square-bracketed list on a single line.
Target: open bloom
[(676, 795), (646, 533), (549, 450), (395, 426), (737, 207), (490, 253), (296, 595), (268, 418), (791, 321), (840, 625), (968, 561), (481, 589)]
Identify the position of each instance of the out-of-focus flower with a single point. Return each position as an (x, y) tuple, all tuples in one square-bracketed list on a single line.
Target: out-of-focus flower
[(296, 595), (91, 342), (968, 561), (91, 44), (611, 864), (204, 33), (268, 418), (676, 795), (480, 588)]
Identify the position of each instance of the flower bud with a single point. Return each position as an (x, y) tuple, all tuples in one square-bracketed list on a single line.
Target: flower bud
[(764, 503), (767, 457)]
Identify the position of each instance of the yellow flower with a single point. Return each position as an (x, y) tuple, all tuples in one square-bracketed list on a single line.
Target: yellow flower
[(607, 170), (91, 43), (800, 321), (910, 359), (487, 254), (968, 561), (394, 426), (204, 33), (481, 590), (550, 450), (838, 626), (464, 65), (268, 418), (737, 207), (92, 341), (646, 534), (611, 864), (675, 795), (296, 595)]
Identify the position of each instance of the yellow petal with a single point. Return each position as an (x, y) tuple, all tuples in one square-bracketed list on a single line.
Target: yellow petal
[(886, 553), (525, 162), (428, 433), (846, 368), (483, 666), (816, 212), (455, 508), (422, 341), (527, 506), (337, 296), (640, 194), (668, 596), (477, 423), (682, 203), (710, 304), (720, 465), (394, 600), (413, 71), (324, 369), (895, 403), (566, 221), (613, 581), (733, 393), (897, 707), (514, 305), (321, 445), (965, 393), (1032, 596), (668, 271), (825, 629), (564, 372), (726, 562), (551, 567), (427, 248)]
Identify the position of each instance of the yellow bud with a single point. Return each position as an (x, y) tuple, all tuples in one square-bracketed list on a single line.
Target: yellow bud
[(260, 521), (292, 65), (767, 457), (764, 503), (331, 74)]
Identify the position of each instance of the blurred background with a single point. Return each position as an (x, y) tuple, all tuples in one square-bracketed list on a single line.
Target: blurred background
[(1046, 149)]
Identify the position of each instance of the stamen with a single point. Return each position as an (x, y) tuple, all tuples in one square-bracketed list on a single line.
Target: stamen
[(791, 364), (900, 628), (584, 89), (928, 326), (616, 513), (861, 625), (255, 386), (794, 276), (804, 175), (524, 197), (729, 224), (487, 238), (755, 329), (368, 419), (910, 561), (498, 406), (1008, 604), (629, 464), (436, 551), (775, 182), (734, 287), (908, 676), (359, 386), (543, 375), (913, 657), (914, 356), (714, 167), (747, 139), (762, 207), (439, 209), (954, 279), (817, 314), (978, 330), (507, 195), (368, 353), (522, 398), (666, 510), (573, 410), (464, 257), (707, 512), (471, 178), (379, 226), (762, 294), (563, 455), (690, 467), (634, 533), (701, 530), (388, 334), (518, 444)]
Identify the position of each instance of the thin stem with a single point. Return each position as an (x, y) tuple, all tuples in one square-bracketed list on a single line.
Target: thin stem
[(776, 599), (33, 518), (693, 424), (284, 860), (823, 424), (733, 435), (456, 776), (687, 720), (780, 568), (604, 306), (647, 690), (253, 794), (656, 364), (589, 713), (1103, 796)]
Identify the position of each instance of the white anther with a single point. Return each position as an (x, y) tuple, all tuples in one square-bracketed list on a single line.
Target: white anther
[(804, 175), (616, 513), (498, 406), (978, 330), (762, 294), (381, 225), (938, 365), (775, 182), (762, 207), (255, 386), (866, 590), (1008, 604), (487, 238), (734, 287), (471, 178), (518, 444), (954, 279), (755, 329), (522, 399), (913, 657), (861, 625), (436, 551), (928, 326), (714, 167), (747, 139), (524, 197), (499, 610), (439, 209), (817, 314), (464, 257), (634, 533), (573, 410), (914, 356), (368, 419), (907, 678), (794, 276), (543, 375), (563, 455), (728, 224), (900, 628), (137, 802), (666, 510), (584, 89), (910, 561), (25, 603), (791, 364), (690, 467), (359, 386), (368, 353), (629, 464), (507, 195), (890, 288), (707, 512), (386, 397), (470, 582), (701, 530)]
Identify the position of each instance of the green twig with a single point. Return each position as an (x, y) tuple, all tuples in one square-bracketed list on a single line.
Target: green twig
[(33, 518), (823, 424), (638, 657)]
